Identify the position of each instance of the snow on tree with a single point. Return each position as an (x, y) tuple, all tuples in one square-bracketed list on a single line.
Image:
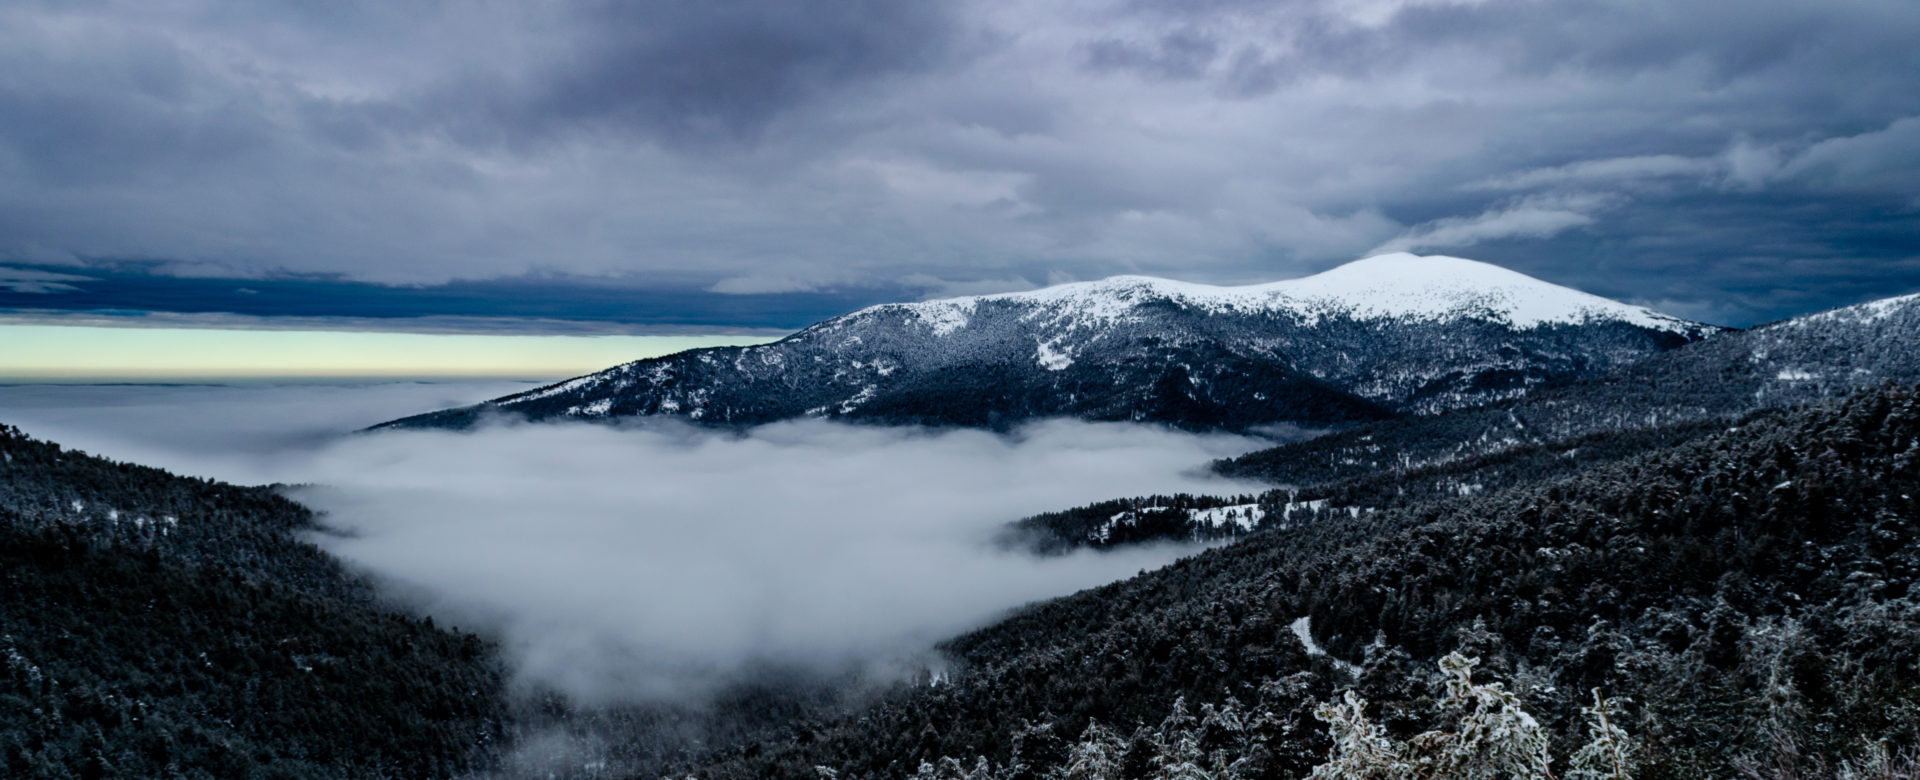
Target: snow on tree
[(1097, 756), (1361, 749), (1608, 754), (1494, 739)]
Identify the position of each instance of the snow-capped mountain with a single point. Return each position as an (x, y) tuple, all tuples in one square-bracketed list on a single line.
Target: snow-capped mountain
[(1377, 337), (1792, 362)]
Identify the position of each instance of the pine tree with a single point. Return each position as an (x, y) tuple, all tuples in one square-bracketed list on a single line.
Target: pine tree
[(1097, 756), (1608, 754), (1176, 748), (1495, 738), (1361, 750)]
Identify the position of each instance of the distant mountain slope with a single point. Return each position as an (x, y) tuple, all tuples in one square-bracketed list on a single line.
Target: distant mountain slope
[(1683, 394), (1782, 364), (1201, 518), (1370, 339), (1751, 594)]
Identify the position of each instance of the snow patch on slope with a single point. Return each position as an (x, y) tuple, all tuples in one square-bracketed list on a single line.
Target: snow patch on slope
[(1052, 358), (1246, 516), (1871, 311), (595, 409), (1302, 629), (943, 316), (558, 389)]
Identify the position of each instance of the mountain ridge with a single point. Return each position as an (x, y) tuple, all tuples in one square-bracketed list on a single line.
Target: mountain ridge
[(1786, 363), (1383, 336), (1398, 284)]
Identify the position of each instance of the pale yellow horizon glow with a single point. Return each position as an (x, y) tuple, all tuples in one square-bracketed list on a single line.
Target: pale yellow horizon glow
[(89, 353)]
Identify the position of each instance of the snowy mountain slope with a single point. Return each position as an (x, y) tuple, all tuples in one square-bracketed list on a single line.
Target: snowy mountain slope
[(1788, 363), (1398, 286), (1370, 339)]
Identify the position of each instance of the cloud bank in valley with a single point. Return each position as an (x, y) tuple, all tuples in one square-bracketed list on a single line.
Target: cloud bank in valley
[(649, 561)]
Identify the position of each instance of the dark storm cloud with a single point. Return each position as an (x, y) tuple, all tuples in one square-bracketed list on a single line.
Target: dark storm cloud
[(733, 67), (1729, 257), (1182, 54), (34, 281), (841, 148), (133, 290), (700, 73)]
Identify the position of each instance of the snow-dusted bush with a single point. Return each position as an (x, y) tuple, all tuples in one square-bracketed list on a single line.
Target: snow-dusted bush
[(1361, 749), (1493, 739)]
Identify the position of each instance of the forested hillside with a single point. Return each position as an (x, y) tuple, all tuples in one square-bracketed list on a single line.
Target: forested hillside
[(247, 530), (1749, 592), (161, 626), (1204, 518)]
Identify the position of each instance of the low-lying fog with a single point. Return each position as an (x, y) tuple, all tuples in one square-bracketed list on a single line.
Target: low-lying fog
[(650, 560)]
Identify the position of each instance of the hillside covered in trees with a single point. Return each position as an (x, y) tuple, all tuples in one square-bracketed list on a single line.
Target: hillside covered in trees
[(159, 626), (1750, 593)]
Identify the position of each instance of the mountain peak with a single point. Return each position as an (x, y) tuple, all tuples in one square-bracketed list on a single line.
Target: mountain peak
[(1399, 285), (1409, 268)]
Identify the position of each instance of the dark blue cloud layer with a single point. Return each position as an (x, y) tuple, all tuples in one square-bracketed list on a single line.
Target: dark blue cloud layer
[(128, 293)]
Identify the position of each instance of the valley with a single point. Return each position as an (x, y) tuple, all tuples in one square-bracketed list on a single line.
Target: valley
[(1705, 511), (960, 390)]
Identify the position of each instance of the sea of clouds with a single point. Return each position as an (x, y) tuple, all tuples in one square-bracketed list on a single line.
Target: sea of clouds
[(655, 560)]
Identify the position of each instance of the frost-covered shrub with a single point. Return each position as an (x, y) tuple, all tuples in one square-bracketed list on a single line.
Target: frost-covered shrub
[(1493, 739), (1361, 750)]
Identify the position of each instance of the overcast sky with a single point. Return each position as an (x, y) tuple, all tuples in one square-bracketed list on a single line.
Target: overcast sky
[(767, 163)]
